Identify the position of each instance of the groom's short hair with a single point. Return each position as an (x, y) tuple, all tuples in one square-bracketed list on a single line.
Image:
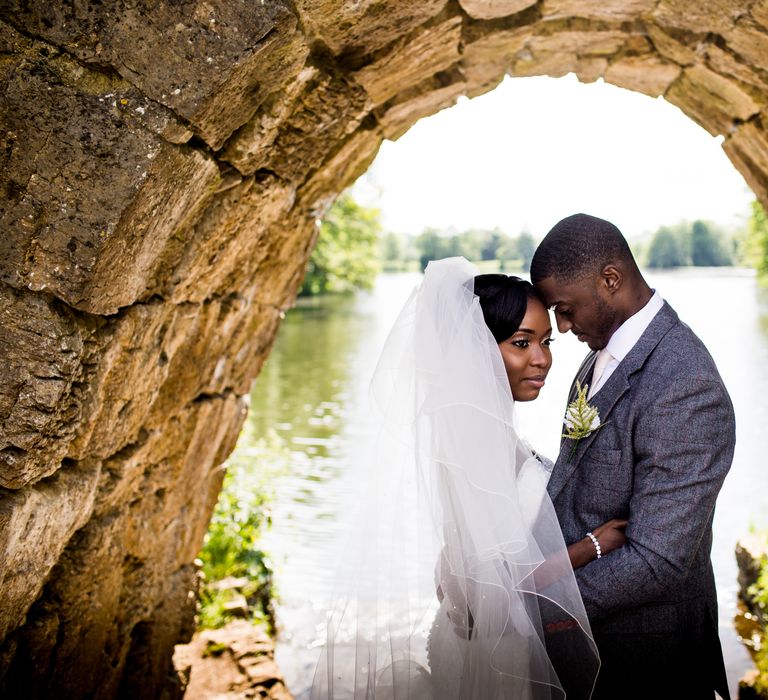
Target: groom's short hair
[(577, 246)]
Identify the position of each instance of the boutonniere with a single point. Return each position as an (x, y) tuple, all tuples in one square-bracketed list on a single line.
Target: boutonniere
[(581, 418)]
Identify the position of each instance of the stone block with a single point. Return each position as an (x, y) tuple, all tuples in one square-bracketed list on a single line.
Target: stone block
[(427, 98), (246, 239), (759, 12), (714, 16), (751, 43), (555, 65), (237, 605), (726, 64), (263, 672), (669, 47), (482, 77), (711, 99), (157, 358), (213, 64), (495, 47), (747, 148), (119, 596), (48, 357), (324, 111), (130, 257), (357, 28), (173, 471), (348, 163), (247, 145), (229, 236), (412, 60), (235, 660), (492, 9), (286, 257), (578, 43), (647, 74), (589, 69), (92, 195), (601, 10), (35, 526), (487, 57)]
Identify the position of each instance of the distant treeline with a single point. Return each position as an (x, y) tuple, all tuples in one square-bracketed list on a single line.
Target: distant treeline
[(700, 244), (404, 251), (704, 244), (352, 248)]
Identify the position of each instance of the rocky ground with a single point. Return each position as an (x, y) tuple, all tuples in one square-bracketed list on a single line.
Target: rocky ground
[(231, 663), (751, 552)]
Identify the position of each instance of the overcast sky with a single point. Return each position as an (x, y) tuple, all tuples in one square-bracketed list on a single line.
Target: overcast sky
[(537, 149)]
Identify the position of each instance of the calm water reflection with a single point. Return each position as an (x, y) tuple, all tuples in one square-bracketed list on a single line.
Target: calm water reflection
[(313, 393)]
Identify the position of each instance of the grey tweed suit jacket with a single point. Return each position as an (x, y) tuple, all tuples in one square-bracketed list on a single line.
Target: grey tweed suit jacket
[(659, 460)]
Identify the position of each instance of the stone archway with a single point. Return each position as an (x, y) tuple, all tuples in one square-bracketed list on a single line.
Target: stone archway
[(163, 167)]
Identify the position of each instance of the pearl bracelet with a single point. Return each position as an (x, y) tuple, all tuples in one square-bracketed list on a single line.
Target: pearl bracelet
[(596, 543)]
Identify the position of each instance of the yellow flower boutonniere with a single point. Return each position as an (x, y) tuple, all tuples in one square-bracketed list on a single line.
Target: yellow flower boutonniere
[(581, 418)]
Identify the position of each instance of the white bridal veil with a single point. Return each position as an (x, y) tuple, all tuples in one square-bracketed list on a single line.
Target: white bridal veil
[(457, 583)]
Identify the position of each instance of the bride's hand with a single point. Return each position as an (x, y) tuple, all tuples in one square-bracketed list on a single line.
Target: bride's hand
[(611, 535)]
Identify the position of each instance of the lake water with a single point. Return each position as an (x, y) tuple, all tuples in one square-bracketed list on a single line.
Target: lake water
[(313, 393)]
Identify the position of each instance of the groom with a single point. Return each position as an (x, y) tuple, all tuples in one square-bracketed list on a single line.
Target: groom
[(659, 460)]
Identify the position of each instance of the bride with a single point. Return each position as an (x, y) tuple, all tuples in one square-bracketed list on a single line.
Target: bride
[(458, 583)]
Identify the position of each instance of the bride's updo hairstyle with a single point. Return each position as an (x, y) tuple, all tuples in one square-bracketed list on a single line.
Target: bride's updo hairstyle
[(504, 300)]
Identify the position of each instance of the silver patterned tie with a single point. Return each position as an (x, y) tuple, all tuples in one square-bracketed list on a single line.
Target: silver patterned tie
[(601, 362)]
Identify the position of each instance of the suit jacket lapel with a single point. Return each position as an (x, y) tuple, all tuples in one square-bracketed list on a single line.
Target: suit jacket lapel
[(605, 399)]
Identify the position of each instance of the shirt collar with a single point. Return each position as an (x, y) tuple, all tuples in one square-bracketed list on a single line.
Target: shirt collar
[(628, 333)]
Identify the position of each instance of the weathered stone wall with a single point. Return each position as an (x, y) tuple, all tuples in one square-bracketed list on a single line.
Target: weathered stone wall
[(162, 167)]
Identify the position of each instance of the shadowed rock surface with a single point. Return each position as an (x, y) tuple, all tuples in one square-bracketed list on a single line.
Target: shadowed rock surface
[(162, 169)]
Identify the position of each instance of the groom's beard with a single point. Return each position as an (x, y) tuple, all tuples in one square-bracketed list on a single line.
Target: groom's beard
[(605, 323)]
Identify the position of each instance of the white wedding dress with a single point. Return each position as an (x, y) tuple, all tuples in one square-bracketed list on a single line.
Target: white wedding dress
[(438, 595), (447, 646)]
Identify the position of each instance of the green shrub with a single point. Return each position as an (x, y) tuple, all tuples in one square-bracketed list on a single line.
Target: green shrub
[(758, 597), (232, 544)]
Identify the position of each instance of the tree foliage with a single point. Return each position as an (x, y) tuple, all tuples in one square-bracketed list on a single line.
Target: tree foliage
[(526, 247), (665, 250), (476, 245), (345, 257), (758, 239), (392, 248), (701, 244), (707, 247)]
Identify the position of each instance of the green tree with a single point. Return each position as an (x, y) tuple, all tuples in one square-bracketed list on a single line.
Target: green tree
[(665, 250), (526, 247), (430, 245), (508, 253), (707, 247), (470, 244), (492, 240), (346, 254), (758, 239), (454, 245), (392, 251)]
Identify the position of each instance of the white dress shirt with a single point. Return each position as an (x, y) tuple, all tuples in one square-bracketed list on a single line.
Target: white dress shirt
[(626, 336)]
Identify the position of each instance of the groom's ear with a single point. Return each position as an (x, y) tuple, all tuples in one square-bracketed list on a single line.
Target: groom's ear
[(611, 277)]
